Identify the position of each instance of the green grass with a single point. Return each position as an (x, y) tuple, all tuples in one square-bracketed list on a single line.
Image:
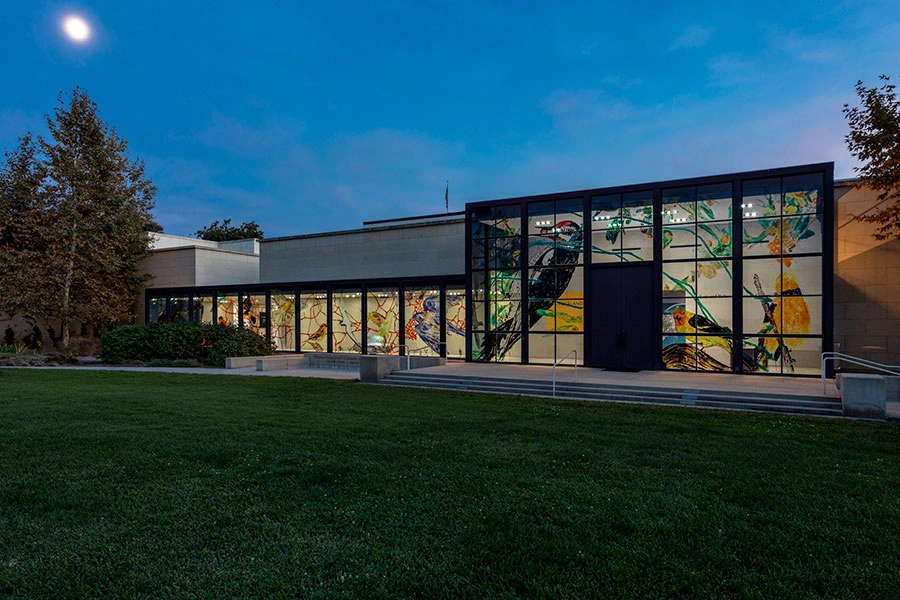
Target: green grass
[(150, 485)]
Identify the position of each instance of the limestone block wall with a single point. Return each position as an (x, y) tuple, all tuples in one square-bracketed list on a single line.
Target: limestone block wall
[(399, 251), (866, 283)]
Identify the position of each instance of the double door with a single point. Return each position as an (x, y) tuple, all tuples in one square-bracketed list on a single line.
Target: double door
[(623, 336)]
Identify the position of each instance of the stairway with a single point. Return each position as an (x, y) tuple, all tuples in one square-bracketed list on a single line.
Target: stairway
[(728, 399)]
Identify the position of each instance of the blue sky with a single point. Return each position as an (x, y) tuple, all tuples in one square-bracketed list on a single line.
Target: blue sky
[(317, 116)]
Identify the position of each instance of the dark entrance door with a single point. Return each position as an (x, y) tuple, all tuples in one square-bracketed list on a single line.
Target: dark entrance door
[(622, 331)]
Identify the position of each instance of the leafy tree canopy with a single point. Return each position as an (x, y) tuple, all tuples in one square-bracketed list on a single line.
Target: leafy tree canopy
[(874, 139), (225, 232), (73, 209)]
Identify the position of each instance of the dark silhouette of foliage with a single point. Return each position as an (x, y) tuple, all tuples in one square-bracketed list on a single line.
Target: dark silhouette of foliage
[(874, 139), (225, 232)]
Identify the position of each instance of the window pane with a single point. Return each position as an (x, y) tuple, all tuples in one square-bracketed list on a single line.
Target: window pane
[(346, 320), (283, 320), (254, 314), (455, 322), (383, 320), (179, 310), (228, 309), (803, 194), (605, 210), (714, 278), (679, 242), (679, 206), (637, 245), (203, 309), (714, 240), (762, 198), (802, 234), (313, 321), (714, 202), (157, 310)]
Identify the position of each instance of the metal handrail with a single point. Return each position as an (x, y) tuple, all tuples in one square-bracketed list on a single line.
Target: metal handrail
[(572, 351), (826, 356), (402, 349)]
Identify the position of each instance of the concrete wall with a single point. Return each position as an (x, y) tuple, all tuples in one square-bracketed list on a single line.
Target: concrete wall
[(866, 283), (196, 264), (413, 250)]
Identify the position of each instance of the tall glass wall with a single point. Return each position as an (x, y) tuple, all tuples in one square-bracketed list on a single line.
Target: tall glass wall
[(202, 309), (455, 321), (228, 309), (346, 320), (157, 310), (555, 281), (284, 319), (422, 310), (497, 319), (383, 320), (697, 276), (313, 321), (782, 274), (254, 314), (178, 309)]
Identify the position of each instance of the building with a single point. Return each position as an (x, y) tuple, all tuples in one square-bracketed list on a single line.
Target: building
[(755, 272)]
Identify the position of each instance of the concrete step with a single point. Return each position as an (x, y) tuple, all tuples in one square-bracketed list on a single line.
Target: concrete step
[(675, 396)]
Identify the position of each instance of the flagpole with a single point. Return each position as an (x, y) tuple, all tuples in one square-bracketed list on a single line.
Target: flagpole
[(447, 197)]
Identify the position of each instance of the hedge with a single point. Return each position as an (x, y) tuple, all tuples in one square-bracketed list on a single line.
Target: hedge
[(205, 343)]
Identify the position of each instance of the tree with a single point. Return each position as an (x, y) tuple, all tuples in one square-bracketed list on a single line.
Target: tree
[(224, 232), (874, 139), (82, 206)]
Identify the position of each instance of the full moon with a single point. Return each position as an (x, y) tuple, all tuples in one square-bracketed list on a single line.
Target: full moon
[(76, 28)]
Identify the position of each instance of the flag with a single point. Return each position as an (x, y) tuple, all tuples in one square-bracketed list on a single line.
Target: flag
[(447, 197)]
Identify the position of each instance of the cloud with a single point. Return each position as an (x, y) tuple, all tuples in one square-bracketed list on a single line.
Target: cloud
[(291, 186), (693, 36), (575, 112), (731, 69), (15, 123)]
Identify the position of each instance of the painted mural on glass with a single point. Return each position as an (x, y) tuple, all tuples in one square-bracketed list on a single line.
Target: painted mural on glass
[(382, 322), (782, 242), (547, 299), (697, 278), (314, 321), (423, 321), (283, 319), (622, 227), (346, 321)]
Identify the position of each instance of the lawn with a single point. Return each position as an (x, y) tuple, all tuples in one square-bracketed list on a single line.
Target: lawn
[(151, 485)]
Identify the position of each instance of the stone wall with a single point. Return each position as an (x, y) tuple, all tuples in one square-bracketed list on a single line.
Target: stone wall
[(414, 250), (866, 283)]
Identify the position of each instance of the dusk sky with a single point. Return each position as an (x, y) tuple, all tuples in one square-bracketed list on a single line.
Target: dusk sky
[(317, 116)]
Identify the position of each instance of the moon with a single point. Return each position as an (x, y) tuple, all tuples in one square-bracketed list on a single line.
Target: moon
[(76, 28)]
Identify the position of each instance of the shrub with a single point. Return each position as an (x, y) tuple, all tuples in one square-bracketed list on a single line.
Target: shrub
[(207, 344)]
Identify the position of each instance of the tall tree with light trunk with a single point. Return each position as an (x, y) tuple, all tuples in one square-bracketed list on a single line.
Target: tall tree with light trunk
[(874, 139), (94, 204)]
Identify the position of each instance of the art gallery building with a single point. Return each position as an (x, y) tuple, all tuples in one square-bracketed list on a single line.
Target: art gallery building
[(753, 272)]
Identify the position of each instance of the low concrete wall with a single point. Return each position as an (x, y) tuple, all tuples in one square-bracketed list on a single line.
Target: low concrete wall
[(864, 396), (240, 362), (282, 362), (373, 367)]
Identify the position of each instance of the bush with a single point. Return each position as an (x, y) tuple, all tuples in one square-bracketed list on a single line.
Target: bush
[(206, 344)]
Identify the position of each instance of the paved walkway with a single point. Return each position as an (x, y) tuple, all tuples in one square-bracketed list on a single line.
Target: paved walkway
[(658, 379)]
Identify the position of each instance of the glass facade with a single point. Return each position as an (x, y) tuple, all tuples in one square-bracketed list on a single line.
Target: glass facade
[(782, 243), (383, 321), (283, 305), (314, 321), (740, 262), (555, 281), (730, 273), (697, 277)]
